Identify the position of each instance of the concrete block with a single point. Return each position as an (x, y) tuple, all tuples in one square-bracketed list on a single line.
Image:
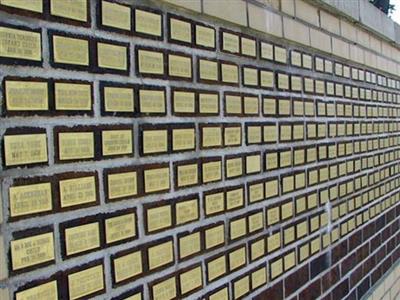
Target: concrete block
[(189, 4), (348, 30), (230, 10), (307, 12), (296, 31), (375, 44), (350, 8), (370, 59), (329, 22), (357, 54), (363, 38), (320, 40), (265, 20), (340, 48), (287, 7)]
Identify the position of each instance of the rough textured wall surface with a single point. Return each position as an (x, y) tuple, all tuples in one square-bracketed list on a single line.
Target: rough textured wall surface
[(152, 152)]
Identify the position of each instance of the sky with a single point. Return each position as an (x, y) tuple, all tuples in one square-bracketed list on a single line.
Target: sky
[(396, 14)]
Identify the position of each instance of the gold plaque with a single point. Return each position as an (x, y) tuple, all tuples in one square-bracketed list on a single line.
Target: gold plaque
[(256, 192), (128, 266), (26, 95), (241, 287), (152, 101), (237, 258), (280, 54), (211, 137), (216, 268), (180, 30), (75, 145), (230, 73), (267, 51), (85, 282), (120, 227), (215, 236), (276, 268), (160, 255), (267, 79), (208, 103), (68, 50), (189, 244), (184, 102), (165, 289), (118, 99), (117, 142), (256, 221), (237, 229), (156, 180), (248, 47), (179, 66), (251, 105), (295, 58), (283, 81), (191, 280), (30, 199), (253, 164), (274, 242), (234, 167), (271, 188), (32, 5), (148, 22), (122, 185), (77, 191), (183, 139), (73, 96), (208, 70), (159, 217), (230, 42), (150, 62), (211, 171), (33, 250), (205, 36), (22, 44), (258, 278), (250, 76), (112, 56), (187, 175), (155, 141), (233, 104), (214, 203), (46, 291), (82, 238), (70, 9), (234, 198), (233, 136), (187, 211), (115, 15), (257, 249), (296, 83), (25, 149)]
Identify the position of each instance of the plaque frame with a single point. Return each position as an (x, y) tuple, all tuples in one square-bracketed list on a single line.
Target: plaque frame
[(38, 282), (221, 41), (78, 222), (116, 127), (180, 18), (91, 45), (153, 243), (121, 170), (164, 75), (211, 192), (66, 20), (22, 61), (13, 113), (154, 127), (131, 279), (154, 166), (180, 163), (208, 81), (149, 88), (27, 233), (234, 156), (186, 233), (148, 206), (105, 70), (74, 175), (214, 257), (109, 84), (100, 25), (119, 213), (22, 131), (184, 90), (150, 10), (167, 63), (195, 45), (178, 283)]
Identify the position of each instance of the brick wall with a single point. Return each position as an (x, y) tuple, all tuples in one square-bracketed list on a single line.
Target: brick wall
[(154, 152)]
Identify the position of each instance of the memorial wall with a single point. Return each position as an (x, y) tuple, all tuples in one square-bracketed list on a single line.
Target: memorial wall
[(152, 151)]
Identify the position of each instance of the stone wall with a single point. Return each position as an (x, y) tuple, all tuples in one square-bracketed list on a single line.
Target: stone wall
[(196, 149)]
